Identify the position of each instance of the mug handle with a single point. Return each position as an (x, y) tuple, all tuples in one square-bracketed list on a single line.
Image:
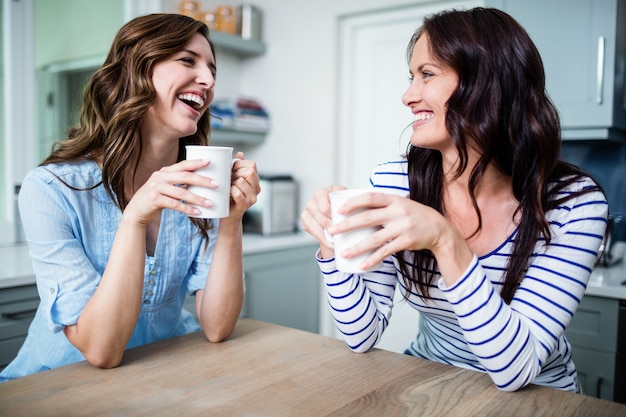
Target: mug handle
[(329, 238)]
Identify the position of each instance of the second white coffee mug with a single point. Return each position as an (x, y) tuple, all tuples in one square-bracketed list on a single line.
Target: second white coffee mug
[(219, 169), (343, 241)]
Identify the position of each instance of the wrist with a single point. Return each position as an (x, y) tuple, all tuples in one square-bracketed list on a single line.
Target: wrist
[(130, 221), (452, 253), (230, 226)]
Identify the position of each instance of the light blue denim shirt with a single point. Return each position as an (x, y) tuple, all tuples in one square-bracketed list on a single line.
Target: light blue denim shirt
[(70, 234)]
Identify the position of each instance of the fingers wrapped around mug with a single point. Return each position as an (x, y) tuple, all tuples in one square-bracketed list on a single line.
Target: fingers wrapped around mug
[(245, 184)]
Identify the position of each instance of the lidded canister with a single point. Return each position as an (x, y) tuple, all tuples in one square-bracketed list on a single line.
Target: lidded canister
[(249, 22)]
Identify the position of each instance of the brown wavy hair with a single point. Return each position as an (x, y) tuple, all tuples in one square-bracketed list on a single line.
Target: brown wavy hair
[(118, 96), (500, 107)]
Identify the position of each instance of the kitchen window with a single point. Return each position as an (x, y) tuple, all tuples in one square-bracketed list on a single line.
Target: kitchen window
[(16, 120), (49, 48)]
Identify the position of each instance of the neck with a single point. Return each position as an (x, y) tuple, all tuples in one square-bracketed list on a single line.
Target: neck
[(154, 156), (492, 186)]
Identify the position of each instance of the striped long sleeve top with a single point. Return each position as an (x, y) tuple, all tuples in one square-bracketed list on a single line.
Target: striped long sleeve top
[(468, 324)]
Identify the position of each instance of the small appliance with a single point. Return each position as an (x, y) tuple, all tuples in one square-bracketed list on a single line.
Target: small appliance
[(276, 208)]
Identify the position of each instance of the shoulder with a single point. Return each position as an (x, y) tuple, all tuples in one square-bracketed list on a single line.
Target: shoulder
[(78, 174), (573, 191), (391, 176), (56, 182), (581, 199)]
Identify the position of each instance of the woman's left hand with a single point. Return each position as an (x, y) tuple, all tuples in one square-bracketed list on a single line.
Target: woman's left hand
[(406, 225), (244, 187)]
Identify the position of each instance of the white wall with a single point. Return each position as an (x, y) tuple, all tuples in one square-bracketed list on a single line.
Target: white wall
[(296, 80)]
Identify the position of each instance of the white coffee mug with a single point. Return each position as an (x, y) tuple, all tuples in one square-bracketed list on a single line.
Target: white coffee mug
[(343, 241), (219, 169)]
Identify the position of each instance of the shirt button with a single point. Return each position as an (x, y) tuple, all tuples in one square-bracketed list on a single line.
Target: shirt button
[(148, 293), (146, 301), (151, 282), (51, 290), (153, 272)]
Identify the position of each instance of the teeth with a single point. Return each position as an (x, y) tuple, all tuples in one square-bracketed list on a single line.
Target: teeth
[(193, 98), (423, 116)]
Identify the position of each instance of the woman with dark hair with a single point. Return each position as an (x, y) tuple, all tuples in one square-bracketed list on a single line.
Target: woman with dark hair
[(106, 214), (486, 232)]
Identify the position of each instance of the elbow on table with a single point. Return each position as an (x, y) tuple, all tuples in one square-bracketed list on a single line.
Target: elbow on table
[(218, 335), (360, 348), (510, 386), (104, 360)]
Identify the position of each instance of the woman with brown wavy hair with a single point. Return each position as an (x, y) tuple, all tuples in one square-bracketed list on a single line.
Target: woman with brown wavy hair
[(485, 231), (106, 214)]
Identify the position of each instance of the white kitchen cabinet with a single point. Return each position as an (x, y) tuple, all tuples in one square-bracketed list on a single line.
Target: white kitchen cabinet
[(598, 347), (282, 287), (583, 47), (17, 309)]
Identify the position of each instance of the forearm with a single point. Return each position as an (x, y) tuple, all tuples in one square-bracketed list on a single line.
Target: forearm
[(219, 305), (109, 318), (508, 347), (514, 342), (360, 305)]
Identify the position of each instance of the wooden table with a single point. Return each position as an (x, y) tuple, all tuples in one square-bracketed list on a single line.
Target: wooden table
[(269, 370)]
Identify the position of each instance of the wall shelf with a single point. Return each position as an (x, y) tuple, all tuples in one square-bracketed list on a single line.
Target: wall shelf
[(236, 45), (228, 136), (223, 42)]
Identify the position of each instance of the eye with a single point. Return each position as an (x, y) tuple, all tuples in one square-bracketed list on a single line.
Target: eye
[(426, 74), (187, 60)]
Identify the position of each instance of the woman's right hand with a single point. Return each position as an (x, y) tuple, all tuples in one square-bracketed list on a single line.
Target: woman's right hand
[(316, 218), (167, 188)]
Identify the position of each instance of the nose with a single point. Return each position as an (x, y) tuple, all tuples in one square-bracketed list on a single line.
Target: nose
[(205, 77), (411, 94)]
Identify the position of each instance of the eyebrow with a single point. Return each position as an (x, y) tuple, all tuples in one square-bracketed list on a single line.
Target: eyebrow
[(435, 67), (420, 68), (197, 55)]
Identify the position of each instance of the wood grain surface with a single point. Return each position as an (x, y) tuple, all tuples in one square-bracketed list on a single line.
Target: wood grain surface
[(270, 370)]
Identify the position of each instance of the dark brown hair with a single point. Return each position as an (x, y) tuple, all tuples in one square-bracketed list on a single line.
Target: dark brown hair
[(118, 96), (500, 106)]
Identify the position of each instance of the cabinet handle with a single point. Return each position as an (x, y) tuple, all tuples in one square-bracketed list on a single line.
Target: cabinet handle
[(600, 78), (14, 314), (599, 387)]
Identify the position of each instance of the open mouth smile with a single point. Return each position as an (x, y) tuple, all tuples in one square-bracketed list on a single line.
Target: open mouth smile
[(193, 100)]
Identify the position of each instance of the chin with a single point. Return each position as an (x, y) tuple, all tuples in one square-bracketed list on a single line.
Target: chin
[(189, 131), (421, 141)]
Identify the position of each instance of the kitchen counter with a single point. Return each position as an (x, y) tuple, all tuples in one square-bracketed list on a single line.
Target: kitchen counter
[(271, 370), (17, 268), (606, 281)]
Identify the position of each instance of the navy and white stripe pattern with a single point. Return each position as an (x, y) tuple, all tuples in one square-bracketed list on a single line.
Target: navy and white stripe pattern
[(468, 325)]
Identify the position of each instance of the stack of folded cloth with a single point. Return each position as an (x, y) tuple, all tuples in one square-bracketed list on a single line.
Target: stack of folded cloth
[(239, 114)]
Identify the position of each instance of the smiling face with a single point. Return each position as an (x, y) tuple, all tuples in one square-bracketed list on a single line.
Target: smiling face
[(184, 85), (432, 84)]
